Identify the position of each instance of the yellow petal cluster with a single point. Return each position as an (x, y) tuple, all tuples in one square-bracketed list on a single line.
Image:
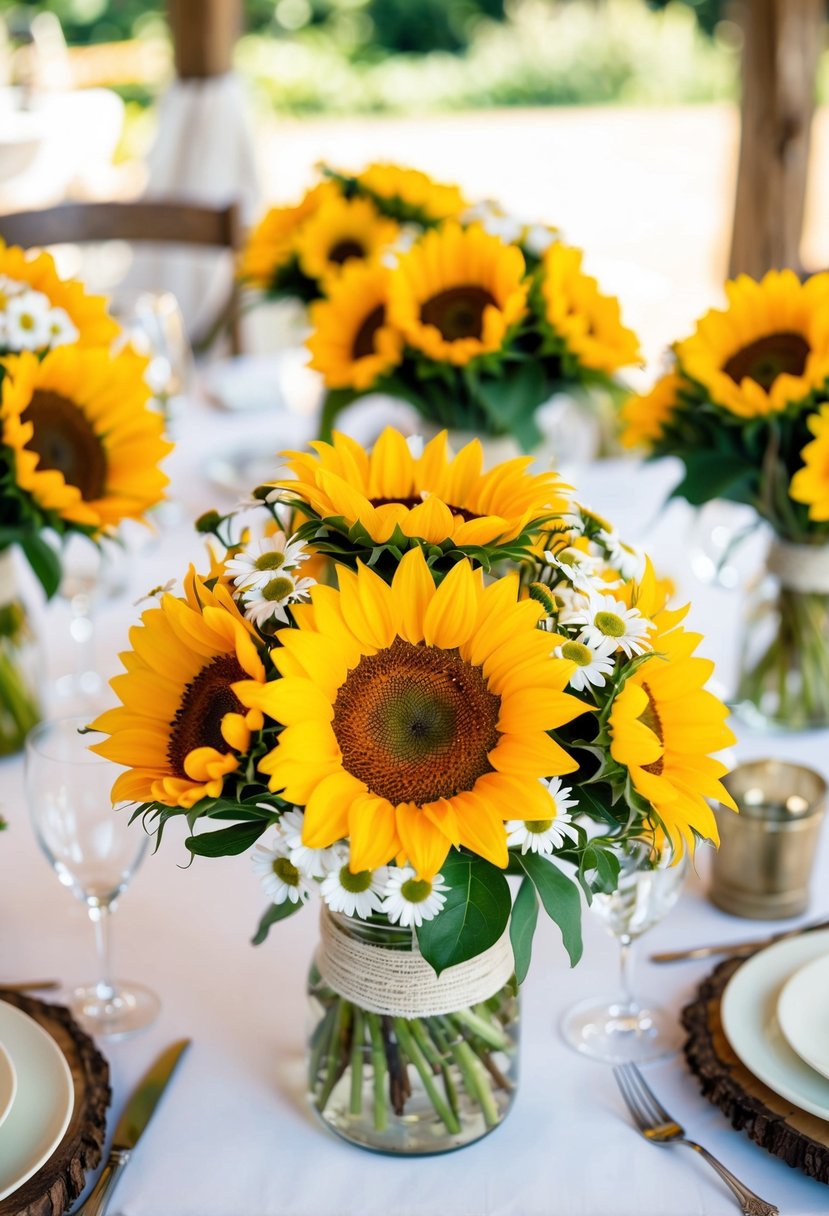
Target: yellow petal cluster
[(587, 321), (352, 344), (87, 313), (810, 485)]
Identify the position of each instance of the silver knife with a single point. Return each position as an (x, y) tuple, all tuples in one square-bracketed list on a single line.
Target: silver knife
[(735, 949), (137, 1113)]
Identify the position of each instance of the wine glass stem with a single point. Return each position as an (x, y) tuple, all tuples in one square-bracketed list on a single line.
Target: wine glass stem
[(625, 968), (100, 915), (82, 629)]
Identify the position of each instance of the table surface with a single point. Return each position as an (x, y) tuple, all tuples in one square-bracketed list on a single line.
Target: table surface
[(233, 1135)]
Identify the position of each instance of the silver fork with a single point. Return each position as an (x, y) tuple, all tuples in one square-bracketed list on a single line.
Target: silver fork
[(656, 1125)]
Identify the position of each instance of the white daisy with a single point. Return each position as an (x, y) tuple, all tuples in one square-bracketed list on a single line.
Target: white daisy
[(495, 221), (281, 880), (61, 330), (627, 559), (311, 863), (544, 835), (578, 567), (257, 564), (606, 617), (410, 900), (354, 894), (593, 663), (8, 288), (158, 593), (537, 239), (28, 320), (265, 604)]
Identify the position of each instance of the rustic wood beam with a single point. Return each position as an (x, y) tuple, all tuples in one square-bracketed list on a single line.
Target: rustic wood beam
[(782, 44)]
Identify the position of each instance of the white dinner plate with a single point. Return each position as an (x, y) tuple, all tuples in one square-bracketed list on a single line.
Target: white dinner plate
[(8, 1083), (749, 1018), (43, 1104), (803, 1013)]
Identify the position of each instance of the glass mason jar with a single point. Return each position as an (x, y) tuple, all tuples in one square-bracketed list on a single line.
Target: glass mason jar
[(404, 1085), (20, 667), (784, 664)]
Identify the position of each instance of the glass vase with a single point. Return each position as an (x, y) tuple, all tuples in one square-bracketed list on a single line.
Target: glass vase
[(19, 663), (408, 1085), (784, 664)]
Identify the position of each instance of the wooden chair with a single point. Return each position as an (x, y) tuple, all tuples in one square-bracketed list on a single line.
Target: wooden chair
[(169, 223)]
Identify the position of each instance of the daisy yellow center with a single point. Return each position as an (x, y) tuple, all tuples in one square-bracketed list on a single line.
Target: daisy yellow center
[(457, 312), (277, 590), (363, 344), (344, 250), (578, 653), (415, 890), (270, 561), (355, 883), (286, 871), (650, 717), (611, 625), (769, 357), (416, 723), (206, 700), (538, 826), (65, 440)]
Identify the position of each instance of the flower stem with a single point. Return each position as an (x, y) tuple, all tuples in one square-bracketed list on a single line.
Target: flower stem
[(378, 1066), (355, 1105), (407, 1042)]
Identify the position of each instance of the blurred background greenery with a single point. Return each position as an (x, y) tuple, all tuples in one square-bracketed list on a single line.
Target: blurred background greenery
[(393, 56)]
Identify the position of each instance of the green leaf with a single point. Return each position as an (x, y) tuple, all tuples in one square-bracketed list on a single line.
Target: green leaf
[(44, 561), (275, 912), (474, 916), (512, 400), (522, 928), (227, 842), (710, 474), (560, 898), (605, 866)]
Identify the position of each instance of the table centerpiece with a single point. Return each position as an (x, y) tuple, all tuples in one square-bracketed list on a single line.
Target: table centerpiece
[(745, 407), (411, 680), (79, 449)]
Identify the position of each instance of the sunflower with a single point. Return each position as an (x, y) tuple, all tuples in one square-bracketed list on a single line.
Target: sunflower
[(662, 725), (270, 246), (340, 231), (410, 194), (415, 718), (645, 417), (434, 497), (180, 728), (86, 445), (810, 484), (458, 293), (351, 344), (588, 322), (769, 349), (36, 272)]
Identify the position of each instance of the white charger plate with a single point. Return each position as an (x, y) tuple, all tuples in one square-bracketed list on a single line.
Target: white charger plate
[(803, 1013), (8, 1083), (43, 1104), (749, 1019)]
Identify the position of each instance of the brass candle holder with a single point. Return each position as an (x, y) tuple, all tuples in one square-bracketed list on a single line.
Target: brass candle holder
[(764, 862)]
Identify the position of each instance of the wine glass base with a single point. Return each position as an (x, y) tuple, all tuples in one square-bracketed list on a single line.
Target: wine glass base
[(130, 1009), (620, 1034)]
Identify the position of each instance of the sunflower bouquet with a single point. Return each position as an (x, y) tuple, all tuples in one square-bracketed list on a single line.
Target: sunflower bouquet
[(470, 315), (745, 407), (79, 444), (412, 679)]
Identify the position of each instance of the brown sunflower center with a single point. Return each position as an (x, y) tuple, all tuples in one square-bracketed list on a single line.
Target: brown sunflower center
[(416, 723), (206, 700), (344, 250), (650, 717), (774, 355), (457, 312), (413, 502), (65, 440), (364, 339)]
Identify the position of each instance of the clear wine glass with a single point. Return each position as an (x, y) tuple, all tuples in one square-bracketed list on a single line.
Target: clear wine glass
[(95, 852), (628, 1027), (151, 322)]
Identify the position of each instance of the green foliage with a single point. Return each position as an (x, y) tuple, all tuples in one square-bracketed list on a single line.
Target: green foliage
[(559, 897), (474, 916), (227, 842), (271, 916), (522, 928)]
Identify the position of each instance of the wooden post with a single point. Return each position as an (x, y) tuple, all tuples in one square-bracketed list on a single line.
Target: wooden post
[(783, 40), (204, 34)]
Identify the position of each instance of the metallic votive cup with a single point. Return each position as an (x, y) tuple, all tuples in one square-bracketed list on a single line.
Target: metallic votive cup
[(764, 861)]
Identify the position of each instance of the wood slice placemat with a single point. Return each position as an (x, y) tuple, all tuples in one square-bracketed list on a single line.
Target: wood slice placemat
[(777, 1125), (61, 1179)]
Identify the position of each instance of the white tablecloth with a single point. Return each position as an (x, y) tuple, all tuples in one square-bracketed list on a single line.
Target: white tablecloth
[(233, 1136)]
